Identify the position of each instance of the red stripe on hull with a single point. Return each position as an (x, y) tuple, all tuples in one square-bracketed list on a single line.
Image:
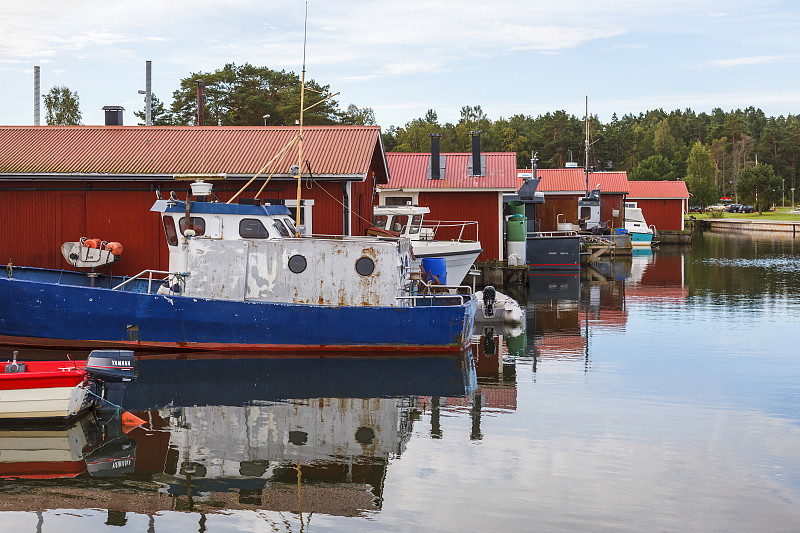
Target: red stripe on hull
[(184, 347)]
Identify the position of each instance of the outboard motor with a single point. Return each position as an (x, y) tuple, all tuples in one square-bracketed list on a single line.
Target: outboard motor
[(110, 371), (489, 295)]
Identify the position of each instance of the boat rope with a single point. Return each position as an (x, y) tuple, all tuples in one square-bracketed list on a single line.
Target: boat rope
[(119, 407), (9, 269)]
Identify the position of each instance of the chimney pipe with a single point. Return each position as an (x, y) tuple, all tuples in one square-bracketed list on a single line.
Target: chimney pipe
[(113, 115), (436, 167), (476, 153), (36, 95), (148, 95), (200, 110)]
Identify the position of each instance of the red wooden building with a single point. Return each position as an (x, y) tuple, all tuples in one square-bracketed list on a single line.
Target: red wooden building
[(463, 190), (563, 186), (60, 183), (663, 203)]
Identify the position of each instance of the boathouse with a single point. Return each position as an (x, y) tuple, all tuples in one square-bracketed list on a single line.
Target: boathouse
[(663, 203), (61, 183), (455, 187), (562, 187)]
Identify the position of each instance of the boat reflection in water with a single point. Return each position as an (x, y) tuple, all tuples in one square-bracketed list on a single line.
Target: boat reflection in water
[(308, 434)]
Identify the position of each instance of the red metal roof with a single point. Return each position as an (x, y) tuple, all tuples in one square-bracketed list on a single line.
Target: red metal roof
[(573, 180), (410, 171), (657, 189), (332, 151)]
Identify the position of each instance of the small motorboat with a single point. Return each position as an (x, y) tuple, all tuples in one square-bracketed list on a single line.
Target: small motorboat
[(62, 390), (494, 306)]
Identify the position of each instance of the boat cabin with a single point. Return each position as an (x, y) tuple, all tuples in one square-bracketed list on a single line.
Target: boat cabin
[(589, 210), (405, 220)]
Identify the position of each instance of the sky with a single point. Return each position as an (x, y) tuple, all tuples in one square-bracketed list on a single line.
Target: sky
[(403, 58)]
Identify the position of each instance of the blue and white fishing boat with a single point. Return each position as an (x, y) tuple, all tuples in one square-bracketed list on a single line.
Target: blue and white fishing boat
[(240, 278), (635, 224)]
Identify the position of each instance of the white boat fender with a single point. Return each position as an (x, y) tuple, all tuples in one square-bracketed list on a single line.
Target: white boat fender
[(489, 295)]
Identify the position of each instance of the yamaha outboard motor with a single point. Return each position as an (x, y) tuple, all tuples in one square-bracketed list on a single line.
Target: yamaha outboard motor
[(488, 301), (110, 371)]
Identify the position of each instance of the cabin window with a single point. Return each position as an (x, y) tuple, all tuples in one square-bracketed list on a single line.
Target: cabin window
[(291, 226), (169, 229), (379, 221), (365, 266), (586, 212), (252, 228), (399, 223), (399, 200), (280, 228), (196, 223), (416, 223)]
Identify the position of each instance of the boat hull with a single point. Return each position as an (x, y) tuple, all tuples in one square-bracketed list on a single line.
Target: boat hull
[(47, 389), (67, 315), (459, 257), (641, 239)]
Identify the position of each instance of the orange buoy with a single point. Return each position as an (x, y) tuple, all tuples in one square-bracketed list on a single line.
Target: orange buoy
[(92, 243), (114, 247), (129, 419)]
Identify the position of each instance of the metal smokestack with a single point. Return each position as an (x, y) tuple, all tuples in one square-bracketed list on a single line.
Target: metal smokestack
[(36, 95), (436, 167), (148, 97), (476, 153)]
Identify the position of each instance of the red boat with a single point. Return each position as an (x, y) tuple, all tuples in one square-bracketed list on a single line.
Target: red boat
[(38, 390)]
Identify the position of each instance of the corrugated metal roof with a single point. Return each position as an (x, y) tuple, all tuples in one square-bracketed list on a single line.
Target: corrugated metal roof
[(574, 180), (410, 171), (657, 189), (164, 150)]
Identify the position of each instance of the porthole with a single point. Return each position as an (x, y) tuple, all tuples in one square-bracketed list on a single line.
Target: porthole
[(297, 263), (365, 266)]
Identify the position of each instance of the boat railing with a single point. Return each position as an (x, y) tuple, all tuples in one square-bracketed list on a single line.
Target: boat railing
[(428, 292), (563, 233), (435, 225), (150, 278)]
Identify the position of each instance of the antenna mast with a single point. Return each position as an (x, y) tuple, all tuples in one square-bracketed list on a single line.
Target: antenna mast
[(586, 163), (300, 135)]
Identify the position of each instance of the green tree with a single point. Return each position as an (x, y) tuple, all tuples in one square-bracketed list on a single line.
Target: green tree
[(159, 116), (354, 115), (240, 95), (759, 184), (654, 168), (63, 106), (700, 173)]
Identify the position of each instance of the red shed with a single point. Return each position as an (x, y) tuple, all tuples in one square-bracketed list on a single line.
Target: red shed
[(462, 192), (60, 183), (663, 203), (563, 186)]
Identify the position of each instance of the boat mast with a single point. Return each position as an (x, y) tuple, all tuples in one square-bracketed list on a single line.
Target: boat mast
[(586, 163), (300, 135)]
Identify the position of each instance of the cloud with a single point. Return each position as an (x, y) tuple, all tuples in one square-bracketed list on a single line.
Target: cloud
[(754, 60)]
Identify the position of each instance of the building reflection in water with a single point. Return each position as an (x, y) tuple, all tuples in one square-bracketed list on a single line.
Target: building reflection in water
[(564, 310)]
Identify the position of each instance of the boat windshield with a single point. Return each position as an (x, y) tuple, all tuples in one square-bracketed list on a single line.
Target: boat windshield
[(416, 224)]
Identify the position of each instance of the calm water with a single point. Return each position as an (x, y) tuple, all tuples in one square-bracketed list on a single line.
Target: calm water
[(661, 392)]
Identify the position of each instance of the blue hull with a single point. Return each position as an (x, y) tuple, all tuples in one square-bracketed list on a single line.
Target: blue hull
[(60, 309), (641, 239)]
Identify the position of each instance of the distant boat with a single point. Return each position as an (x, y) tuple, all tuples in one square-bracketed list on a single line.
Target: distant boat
[(409, 221)]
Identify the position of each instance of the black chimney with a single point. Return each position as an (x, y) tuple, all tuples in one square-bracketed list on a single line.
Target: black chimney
[(436, 169), (113, 115), (477, 169)]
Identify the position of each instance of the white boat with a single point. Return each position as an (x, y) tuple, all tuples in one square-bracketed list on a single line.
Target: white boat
[(408, 221), (635, 224), (497, 307)]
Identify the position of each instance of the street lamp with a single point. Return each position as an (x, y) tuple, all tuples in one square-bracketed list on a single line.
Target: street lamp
[(265, 119)]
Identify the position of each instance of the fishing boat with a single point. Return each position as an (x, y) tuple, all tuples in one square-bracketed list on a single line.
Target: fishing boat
[(241, 277), (408, 221), (62, 390)]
